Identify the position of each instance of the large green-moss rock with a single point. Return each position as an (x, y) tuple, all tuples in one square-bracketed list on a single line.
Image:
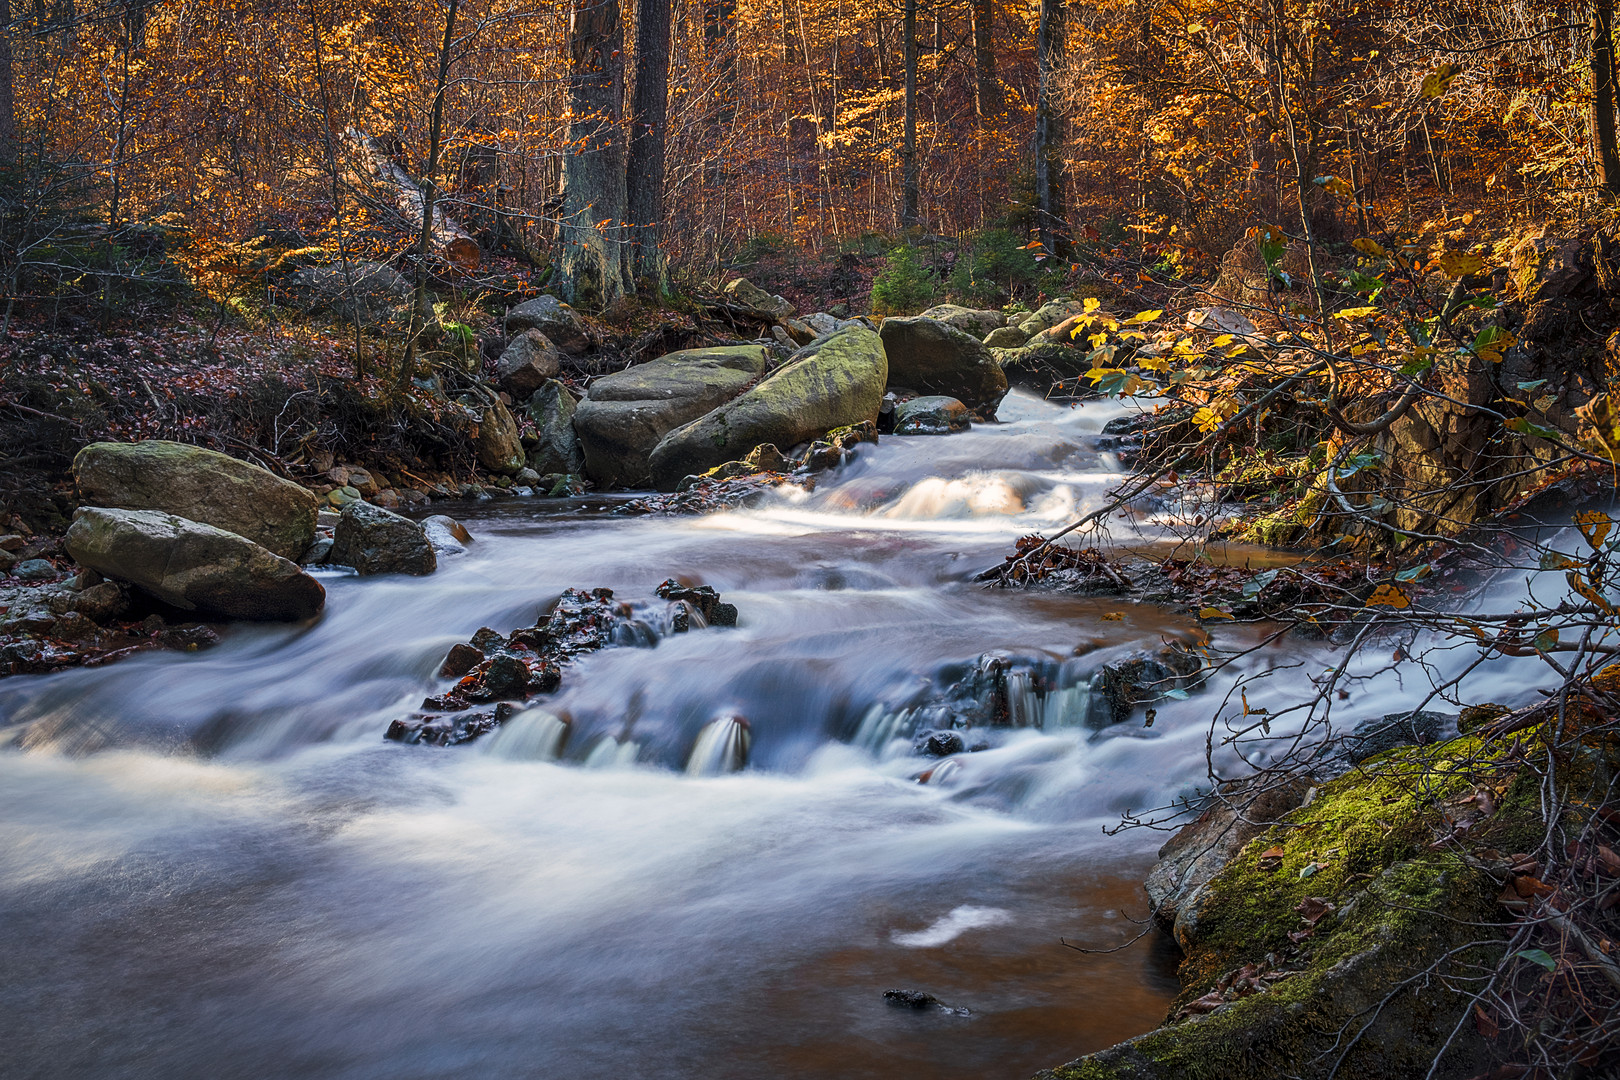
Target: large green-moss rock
[(200, 485), (933, 357), (1366, 986), (831, 383), (625, 414), (192, 566)]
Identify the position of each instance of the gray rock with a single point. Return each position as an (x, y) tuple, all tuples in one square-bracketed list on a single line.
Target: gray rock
[(1006, 337), (935, 415), (192, 566), (558, 447), (34, 570), (527, 477), (553, 318), (526, 364), (822, 323), (319, 553), (750, 299), (835, 382), (378, 541), (199, 485), (499, 448), (934, 358), (624, 415), (968, 320), (101, 602), (1118, 687)]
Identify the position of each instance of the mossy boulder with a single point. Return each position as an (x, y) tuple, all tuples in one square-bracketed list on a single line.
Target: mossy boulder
[(557, 448), (1355, 917), (933, 357), (498, 446), (199, 485), (834, 382), (192, 566), (625, 414), (975, 321)]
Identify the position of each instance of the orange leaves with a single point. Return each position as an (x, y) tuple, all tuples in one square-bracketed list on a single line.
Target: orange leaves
[(1390, 596)]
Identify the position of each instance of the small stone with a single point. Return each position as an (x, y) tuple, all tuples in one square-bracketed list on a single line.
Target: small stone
[(506, 677), (74, 627), (342, 496), (487, 639), (940, 743), (912, 999), (363, 482), (34, 570), (527, 477), (101, 602), (7, 561), (12, 542), (388, 500)]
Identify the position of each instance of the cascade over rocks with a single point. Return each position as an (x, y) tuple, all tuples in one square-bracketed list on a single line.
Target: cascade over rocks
[(504, 671), (625, 414), (192, 566), (378, 541), (932, 357), (834, 382), (199, 485)]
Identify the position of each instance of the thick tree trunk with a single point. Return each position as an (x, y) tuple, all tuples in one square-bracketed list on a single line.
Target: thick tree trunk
[(1048, 138), (1603, 93), (644, 174), (592, 226), (986, 87), (8, 101), (909, 184)]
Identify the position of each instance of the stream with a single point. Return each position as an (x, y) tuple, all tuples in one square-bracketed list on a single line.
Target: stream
[(212, 865)]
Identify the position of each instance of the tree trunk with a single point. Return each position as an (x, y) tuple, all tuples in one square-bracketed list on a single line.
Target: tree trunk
[(430, 193), (1048, 138), (909, 184), (644, 173), (1603, 91), (591, 230), (986, 88), (385, 176), (8, 101)]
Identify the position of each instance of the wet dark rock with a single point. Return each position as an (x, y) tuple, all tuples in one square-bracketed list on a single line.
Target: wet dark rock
[(101, 602), (1119, 687), (939, 743), (509, 669), (34, 570), (447, 535), (1373, 737), (462, 659), (378, 541), (911, 999), (319, 553), (74, 627), (934, 415)]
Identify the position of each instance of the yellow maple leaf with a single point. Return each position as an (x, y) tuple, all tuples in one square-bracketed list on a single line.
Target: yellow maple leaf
[(1391, 596)]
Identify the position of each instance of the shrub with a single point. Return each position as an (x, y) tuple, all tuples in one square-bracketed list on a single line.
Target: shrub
[(905, 286)]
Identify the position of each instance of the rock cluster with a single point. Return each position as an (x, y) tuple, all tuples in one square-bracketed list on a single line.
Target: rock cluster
[(502, 671)]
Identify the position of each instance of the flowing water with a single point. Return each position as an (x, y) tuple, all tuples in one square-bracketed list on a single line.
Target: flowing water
[(707, 859)]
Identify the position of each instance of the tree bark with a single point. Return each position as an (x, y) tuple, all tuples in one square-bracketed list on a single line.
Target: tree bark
[(986, 87), (1048, 170), (910, 186), (644, 173), (592, 226), (1603, 98)]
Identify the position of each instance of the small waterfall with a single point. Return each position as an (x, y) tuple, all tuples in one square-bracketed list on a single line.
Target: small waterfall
[(721, 747), (611, 753), (531, 735), (881, 725), (940, 775)]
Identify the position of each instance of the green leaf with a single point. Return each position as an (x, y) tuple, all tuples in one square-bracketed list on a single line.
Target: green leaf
[(1557, 560), (1538, 956), (1532, 384), (1414, 573), (1417, 366), (1178, 694), (1524, 427), (1254, 585), (1547, 640)]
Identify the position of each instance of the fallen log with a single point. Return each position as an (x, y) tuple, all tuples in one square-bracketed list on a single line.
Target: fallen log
[(405, 195)]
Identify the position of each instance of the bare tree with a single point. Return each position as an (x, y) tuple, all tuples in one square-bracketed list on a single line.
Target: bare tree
[(986, 87), (430, 192), (644, 172), (1048, 138)]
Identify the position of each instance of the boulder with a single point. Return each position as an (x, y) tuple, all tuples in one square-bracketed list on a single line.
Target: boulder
[(832, 383), (968, 320), (1048, 315), (199, 485), (933, 415), (744, 296), (192, 565), (371, 293), (1006, 337), (526, 364), (499, 448), (557, 448), (378, 541), (935, 358), (625, 414), (560, 323), (822, 323)]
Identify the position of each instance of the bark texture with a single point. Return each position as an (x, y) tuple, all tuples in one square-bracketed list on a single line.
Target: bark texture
[(644, 173), (591, 266)]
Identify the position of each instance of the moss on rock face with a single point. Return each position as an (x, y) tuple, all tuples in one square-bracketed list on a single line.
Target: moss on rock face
[(1365, 987)]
